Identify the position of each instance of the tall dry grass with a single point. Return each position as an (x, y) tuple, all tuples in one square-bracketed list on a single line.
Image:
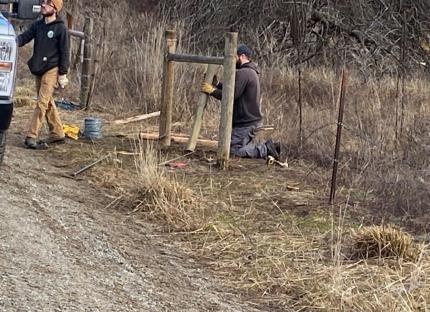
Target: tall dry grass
[(164, 196), (266, 252), (284, 265), (384, 145), (385, 140), (301, 268)]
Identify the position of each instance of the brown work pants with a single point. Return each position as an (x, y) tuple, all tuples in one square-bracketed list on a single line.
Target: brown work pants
[(45, 107)]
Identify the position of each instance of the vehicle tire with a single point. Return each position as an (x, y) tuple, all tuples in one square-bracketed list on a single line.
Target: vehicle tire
[(2, 145)]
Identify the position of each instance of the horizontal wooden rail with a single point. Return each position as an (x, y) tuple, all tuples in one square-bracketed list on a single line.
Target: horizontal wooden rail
[(76, 33), (186, 58)]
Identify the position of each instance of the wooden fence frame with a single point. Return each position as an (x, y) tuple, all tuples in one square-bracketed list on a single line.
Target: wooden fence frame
[(229, 63)]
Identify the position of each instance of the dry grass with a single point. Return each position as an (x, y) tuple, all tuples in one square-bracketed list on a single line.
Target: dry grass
[(377, 135), (249, 236), (163, 196), (384, 241), (293, 267), (266, 241)]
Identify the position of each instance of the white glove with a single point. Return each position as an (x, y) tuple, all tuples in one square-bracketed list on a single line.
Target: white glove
[(63, 81)]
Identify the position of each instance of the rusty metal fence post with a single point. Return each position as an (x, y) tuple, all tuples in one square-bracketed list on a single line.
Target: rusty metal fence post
[(343, 85), (87, 65)]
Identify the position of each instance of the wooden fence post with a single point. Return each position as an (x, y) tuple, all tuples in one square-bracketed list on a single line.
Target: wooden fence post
[(203, 100), (167, 90), (225, 126), (86, 66)]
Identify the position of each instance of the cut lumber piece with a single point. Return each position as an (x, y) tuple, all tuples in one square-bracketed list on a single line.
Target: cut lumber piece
[(180, 138), (135, 118)]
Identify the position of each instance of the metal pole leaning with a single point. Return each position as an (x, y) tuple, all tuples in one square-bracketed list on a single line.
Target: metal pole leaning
[(167, 90), (225, 126), (203, 100), (86, 66), (343, 86), (69, 17)]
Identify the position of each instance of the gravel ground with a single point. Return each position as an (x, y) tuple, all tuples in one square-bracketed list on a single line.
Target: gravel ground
[(60, 250)]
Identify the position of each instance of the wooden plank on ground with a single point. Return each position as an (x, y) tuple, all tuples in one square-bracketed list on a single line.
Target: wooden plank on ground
[(136, 118), (178, 138)]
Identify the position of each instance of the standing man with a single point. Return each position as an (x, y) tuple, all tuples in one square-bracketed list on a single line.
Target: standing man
[(246, 110), (49, 63)]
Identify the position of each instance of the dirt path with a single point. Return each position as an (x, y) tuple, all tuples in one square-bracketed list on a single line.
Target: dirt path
[(60, 250)]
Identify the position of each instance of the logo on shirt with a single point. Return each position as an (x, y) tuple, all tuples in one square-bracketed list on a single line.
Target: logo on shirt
[(50, 34)]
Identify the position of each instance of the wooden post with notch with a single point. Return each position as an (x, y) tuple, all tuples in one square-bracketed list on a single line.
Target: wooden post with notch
[(203, 100), (167, 90), (225, 127), (86, 66)]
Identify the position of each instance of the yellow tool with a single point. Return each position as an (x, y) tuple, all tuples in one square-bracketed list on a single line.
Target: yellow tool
[(71, 131)]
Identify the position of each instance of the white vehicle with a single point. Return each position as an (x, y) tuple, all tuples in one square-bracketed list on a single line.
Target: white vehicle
[(18, 9)]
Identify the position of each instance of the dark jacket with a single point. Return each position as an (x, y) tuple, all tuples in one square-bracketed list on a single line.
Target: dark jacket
[(51, 46), (246, 110)]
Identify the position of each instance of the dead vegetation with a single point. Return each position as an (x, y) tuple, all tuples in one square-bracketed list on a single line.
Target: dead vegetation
[(246, 225), (386, 114), (384, 242), (164, 197), (257, 240), (284, 249)]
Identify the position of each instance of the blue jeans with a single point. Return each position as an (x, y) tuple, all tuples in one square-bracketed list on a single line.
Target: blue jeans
[(242, 146)]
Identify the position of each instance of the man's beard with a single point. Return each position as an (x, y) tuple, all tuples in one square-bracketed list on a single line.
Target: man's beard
[(238, 64), (48, 14)]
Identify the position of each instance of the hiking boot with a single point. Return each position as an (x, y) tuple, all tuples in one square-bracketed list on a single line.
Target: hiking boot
[(32, 143), (273, 149), (54, 140)]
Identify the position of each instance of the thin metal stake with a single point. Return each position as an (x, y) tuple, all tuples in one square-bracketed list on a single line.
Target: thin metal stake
[(90, 165), (343, 85)]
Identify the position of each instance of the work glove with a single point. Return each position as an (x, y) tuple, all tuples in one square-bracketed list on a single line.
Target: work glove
[(207, 88), (63, 81)]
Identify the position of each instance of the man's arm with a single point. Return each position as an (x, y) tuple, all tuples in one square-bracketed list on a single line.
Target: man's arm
[(63, 48), (239, 86), (27, 35), (217, 93)]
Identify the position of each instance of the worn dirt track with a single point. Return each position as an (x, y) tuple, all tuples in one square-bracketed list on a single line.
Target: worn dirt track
[(60, 250)]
